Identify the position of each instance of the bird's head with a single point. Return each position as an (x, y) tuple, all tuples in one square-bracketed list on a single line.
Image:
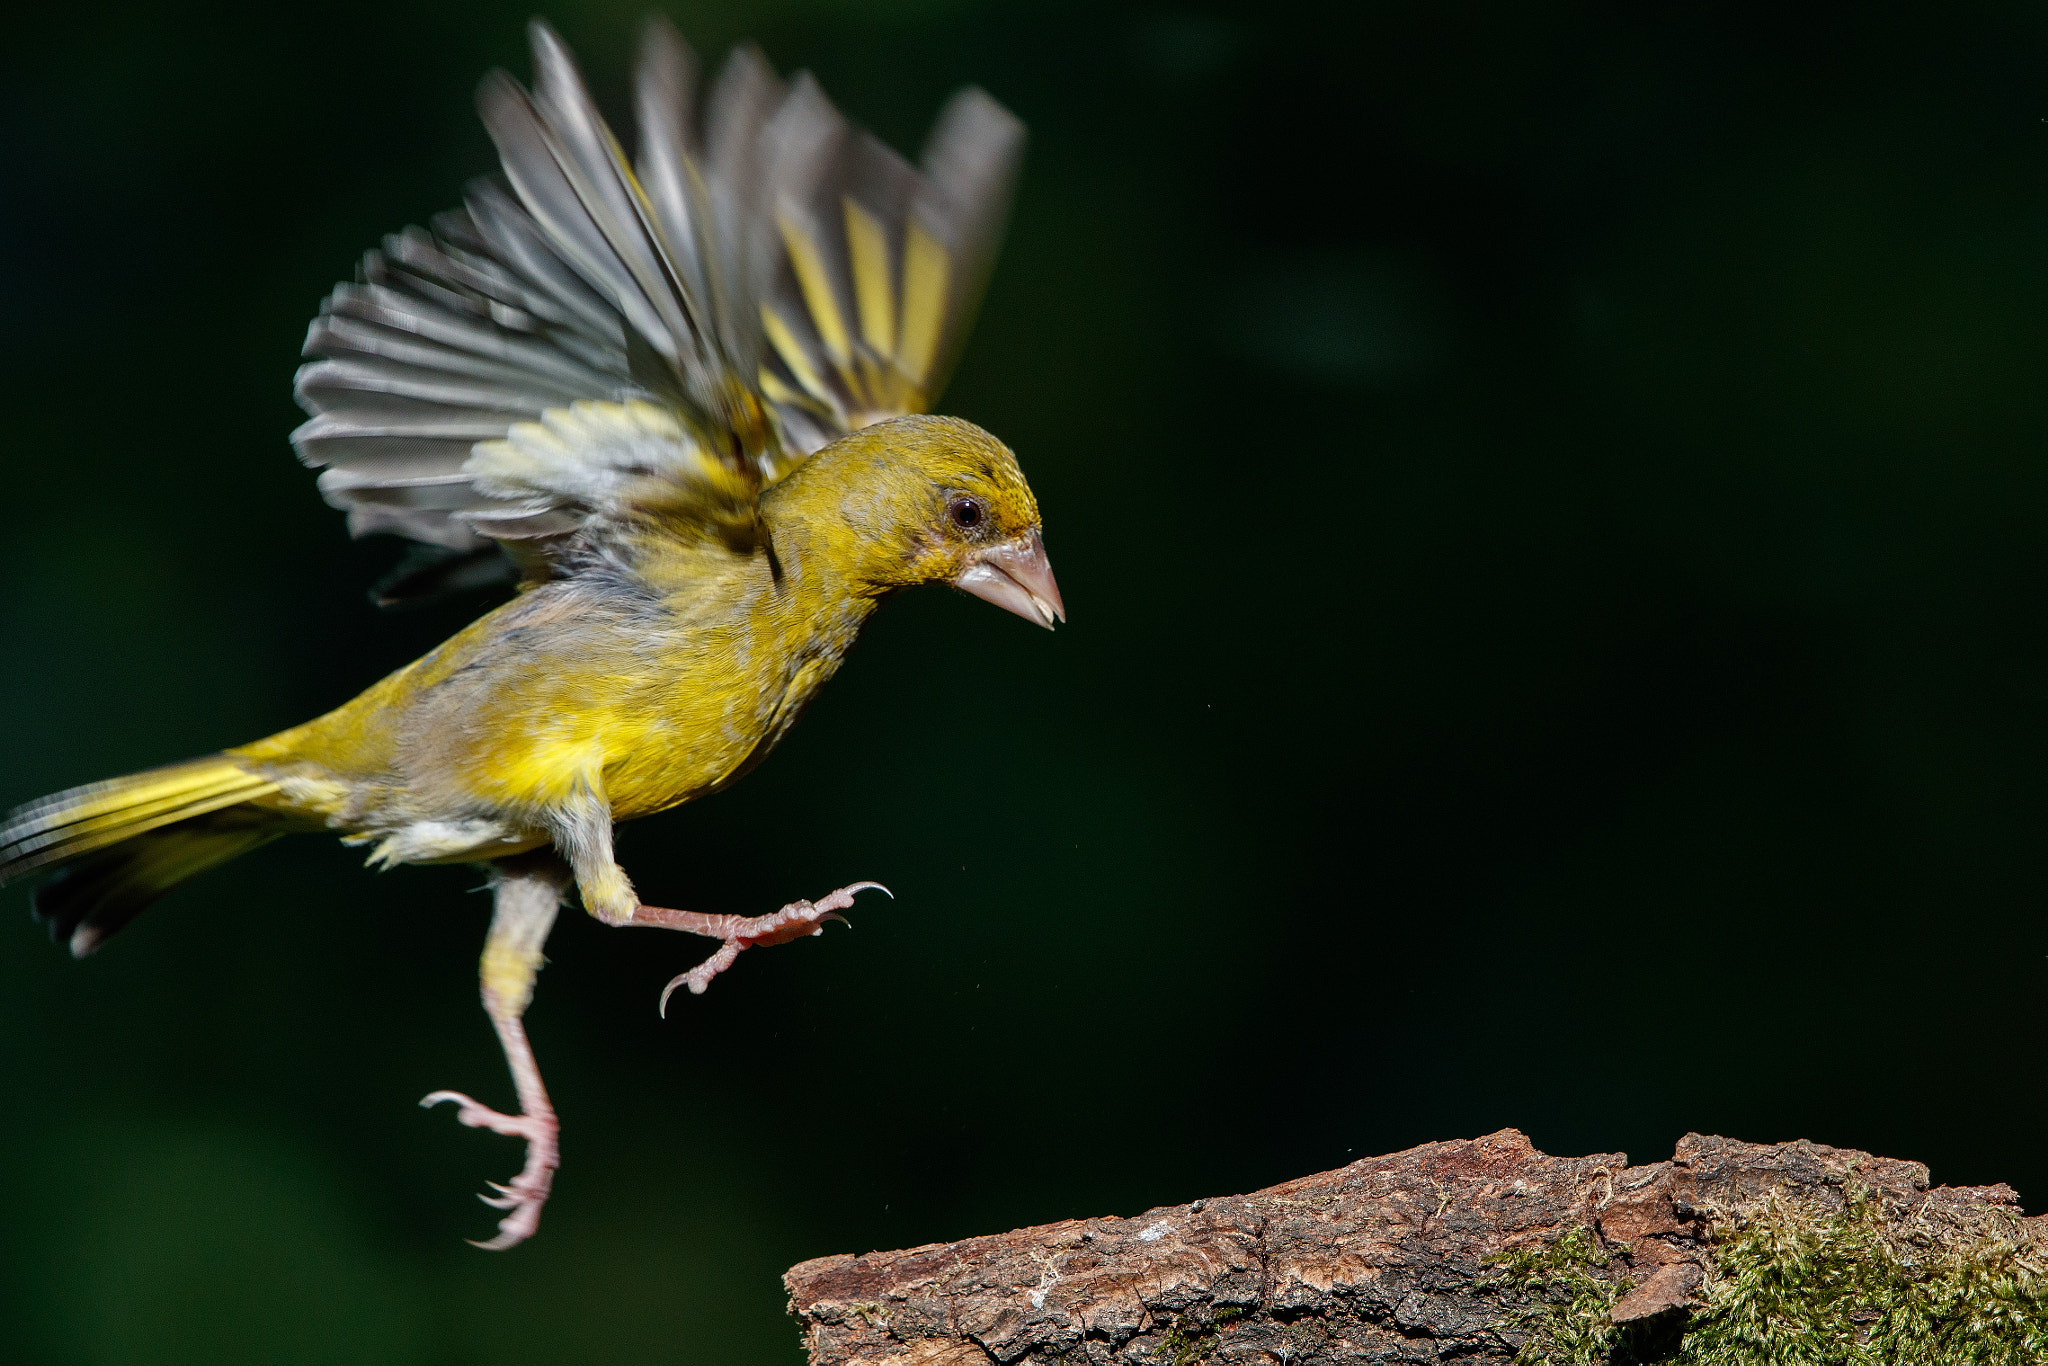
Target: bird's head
[(933, 500)]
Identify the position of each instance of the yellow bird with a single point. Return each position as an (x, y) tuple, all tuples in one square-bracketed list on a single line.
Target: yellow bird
[(679, 399)]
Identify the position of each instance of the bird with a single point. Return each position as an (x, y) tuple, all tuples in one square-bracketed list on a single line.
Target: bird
[(680, 402)]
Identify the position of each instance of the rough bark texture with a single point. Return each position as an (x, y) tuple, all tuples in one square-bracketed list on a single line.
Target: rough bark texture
[(1405, 1258)]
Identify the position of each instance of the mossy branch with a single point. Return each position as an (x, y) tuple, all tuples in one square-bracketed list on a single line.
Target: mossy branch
[(1484, 1251)]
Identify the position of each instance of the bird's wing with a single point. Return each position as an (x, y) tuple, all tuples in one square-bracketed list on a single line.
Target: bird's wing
[(593, 333)]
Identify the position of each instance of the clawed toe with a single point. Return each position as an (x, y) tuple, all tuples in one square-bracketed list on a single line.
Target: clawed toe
[(505, 1198), (477, 1115), (844, 898), (528, 1191), (513, 1229), (523, 1205), (797, 920)]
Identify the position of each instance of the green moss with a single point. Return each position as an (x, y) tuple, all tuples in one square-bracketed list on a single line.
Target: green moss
[(1189, 1341), (1846, 1289), (1560, 1303), (1789, 1287)]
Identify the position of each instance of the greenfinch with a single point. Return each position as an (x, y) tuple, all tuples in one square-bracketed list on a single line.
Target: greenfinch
[(679, 400)]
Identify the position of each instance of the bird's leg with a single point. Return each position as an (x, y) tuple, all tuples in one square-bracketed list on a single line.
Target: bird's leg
[(583, 831), (529, 888), (797, 920)]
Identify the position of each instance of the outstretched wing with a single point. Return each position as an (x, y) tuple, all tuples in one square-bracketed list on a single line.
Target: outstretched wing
[(876, 265), (688, 325)]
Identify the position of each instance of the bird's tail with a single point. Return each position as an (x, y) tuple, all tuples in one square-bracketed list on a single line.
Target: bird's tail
[(117, 846)]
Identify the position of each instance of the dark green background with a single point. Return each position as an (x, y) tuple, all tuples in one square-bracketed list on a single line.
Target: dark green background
[(1553, 507)]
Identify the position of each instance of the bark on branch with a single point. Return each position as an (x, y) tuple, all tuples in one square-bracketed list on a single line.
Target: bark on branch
[(1479, 1251)]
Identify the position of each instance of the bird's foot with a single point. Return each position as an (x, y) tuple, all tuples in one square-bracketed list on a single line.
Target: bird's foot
[(797, 920), (527, 1192)]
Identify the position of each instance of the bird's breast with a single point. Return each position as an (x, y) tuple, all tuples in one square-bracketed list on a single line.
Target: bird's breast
[(720, 711)]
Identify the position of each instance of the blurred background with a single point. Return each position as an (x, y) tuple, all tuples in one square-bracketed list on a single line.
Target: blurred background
[(1554, 508)]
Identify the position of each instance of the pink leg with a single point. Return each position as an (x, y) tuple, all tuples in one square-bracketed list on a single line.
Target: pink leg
[(535, 1122), (797, 920), (528, 892)]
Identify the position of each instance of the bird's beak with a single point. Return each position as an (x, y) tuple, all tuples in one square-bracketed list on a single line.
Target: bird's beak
[(1015, 575)]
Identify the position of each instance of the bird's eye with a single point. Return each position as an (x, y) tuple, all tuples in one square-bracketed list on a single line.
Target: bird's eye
[(967, 513)]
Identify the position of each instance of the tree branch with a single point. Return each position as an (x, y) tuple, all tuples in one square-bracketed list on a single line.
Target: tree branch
[(1482, 1251)]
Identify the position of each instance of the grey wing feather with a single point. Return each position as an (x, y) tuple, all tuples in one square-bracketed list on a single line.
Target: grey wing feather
[(769, 278), (742, 101), (970, 164), (881, 264)]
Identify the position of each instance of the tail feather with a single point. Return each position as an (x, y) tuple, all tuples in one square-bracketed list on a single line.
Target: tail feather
[(117, 846), (62, 827)]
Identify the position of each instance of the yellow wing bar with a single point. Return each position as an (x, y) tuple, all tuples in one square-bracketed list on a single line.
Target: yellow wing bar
[(887, 370)]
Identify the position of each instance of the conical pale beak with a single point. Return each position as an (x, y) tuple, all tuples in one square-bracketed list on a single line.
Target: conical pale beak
[(1015, 575)]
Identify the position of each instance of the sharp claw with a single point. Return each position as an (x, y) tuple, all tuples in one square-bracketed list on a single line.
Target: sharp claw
[(843, 898), (529, 1190), (814, 913)]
